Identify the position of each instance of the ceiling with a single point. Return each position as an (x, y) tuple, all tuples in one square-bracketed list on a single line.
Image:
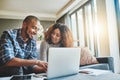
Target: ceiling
[(44, 9)]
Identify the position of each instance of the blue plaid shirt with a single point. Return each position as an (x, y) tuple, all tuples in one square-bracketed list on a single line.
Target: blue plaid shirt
[(12, 45)]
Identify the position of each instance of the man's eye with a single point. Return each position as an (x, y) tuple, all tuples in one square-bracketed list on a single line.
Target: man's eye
[(34, 27)]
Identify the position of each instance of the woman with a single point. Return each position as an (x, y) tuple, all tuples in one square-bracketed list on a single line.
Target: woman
[(58, 35)]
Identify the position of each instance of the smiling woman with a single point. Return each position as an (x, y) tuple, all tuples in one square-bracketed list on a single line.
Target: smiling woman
[(58, 35)]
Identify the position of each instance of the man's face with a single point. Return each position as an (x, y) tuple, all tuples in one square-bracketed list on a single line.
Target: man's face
[(32, 28)]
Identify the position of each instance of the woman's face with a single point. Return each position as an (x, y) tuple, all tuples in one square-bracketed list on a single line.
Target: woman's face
[(56, 36)]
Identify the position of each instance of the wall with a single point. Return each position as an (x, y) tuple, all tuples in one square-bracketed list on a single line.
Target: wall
[(9, 24), (47, 24), (17, 23)]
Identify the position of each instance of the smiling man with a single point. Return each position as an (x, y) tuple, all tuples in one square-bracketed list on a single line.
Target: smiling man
[(18, 50)]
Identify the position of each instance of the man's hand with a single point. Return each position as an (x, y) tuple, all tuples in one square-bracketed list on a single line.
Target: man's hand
[(42, 64)]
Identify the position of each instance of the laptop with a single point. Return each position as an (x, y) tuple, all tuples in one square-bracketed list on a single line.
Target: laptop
[(63, 62)]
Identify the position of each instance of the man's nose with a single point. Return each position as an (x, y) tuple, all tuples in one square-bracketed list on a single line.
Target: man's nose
[(35, 32)]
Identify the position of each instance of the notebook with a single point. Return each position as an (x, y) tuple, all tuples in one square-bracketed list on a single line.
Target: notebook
[(63, 62)]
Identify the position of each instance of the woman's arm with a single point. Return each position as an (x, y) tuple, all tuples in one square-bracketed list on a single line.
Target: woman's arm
[(43, 51)]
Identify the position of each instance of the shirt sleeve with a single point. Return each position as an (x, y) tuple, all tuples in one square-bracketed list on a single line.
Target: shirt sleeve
[(43, 51), (6, 48)]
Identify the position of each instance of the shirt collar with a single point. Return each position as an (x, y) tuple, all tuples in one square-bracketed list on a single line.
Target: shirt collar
[(20, 37)]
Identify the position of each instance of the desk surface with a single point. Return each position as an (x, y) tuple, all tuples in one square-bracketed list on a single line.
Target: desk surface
[(80, 76)]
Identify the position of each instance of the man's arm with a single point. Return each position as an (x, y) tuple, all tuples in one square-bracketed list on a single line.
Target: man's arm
[(21, 62), (39, 66), (7, 54)]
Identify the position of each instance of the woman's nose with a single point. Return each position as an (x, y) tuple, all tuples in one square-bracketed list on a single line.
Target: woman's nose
[(54, 36)]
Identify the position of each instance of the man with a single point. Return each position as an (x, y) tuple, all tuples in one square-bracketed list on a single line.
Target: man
[(18, 50)]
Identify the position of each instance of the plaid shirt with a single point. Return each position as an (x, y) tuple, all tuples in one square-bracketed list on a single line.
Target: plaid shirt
[(12, 45)]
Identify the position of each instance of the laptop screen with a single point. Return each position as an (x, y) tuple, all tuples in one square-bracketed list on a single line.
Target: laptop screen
[(63, 61)]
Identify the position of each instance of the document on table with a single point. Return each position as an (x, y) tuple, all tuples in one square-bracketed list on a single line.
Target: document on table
[(37, 78), (95, 72), (41, 76)]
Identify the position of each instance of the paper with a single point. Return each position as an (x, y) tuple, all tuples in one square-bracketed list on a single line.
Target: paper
[(90, 71), (41, 76)]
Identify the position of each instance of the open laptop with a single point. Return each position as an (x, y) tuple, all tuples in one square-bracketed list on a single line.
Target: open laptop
[(63, 61)]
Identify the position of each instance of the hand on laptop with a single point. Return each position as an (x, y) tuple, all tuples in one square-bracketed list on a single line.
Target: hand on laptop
[(43, 65)]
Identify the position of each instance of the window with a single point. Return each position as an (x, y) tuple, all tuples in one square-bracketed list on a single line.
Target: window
[(83, 27), (81, 32), (117, 7), (74, 28)]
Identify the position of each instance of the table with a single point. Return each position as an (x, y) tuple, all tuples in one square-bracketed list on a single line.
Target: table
[(81, 76)]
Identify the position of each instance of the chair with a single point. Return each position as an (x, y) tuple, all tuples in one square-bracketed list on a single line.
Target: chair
[(105, 63)]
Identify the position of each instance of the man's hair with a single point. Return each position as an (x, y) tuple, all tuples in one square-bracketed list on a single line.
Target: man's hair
[(29, 18)]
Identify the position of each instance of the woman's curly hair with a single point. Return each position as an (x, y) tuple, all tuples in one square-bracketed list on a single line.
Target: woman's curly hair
[(66, 34)]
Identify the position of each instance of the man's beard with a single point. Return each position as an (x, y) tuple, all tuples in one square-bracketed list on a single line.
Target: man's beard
[(27, 35)]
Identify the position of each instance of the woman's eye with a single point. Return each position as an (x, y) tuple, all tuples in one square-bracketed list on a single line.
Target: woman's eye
[(58, 35)]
